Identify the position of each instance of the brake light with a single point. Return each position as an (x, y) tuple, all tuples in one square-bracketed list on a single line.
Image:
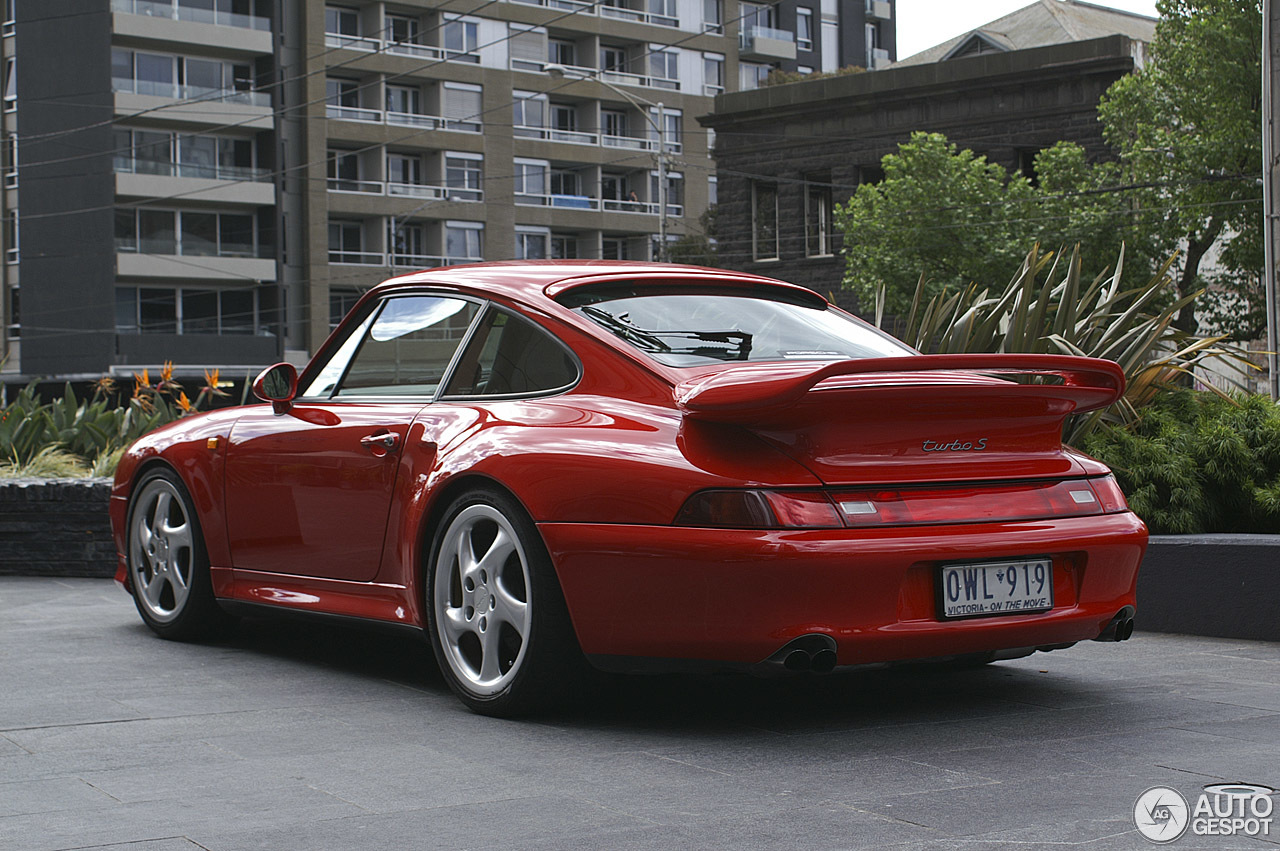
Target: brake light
[(858, 509), (1109, 494)]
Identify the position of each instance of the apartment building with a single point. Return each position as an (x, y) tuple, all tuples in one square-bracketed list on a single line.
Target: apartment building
[(214, 182)]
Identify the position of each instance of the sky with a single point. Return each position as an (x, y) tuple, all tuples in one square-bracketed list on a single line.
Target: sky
[(924, 23)]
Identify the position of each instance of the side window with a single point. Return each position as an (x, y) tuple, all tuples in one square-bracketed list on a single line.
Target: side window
[(508, 355), (403, 349)]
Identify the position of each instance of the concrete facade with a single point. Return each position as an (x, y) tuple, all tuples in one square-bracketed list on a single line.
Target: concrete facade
[(813, 142)]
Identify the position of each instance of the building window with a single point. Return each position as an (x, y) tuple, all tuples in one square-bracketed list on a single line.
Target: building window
[(613, 248), (675, 192), (531, 181), (529, 114), (804, 29), (664, 67), (528, 47), (408, 243), (460, 38), (462, 176), (185, 232), (189, 311), (713, 190), (10, 85), (818, 234), (341, 21), (758, 16), (672, 125), (406, 100), (613, 59), (462, 107), (751, 75), (402, 29), (564, 247), (713, 16), (764, 220), (164, 75), (531, 243), (11, 237), (463, 241), (404, 169), (13, 329), (9, 15), (613, 122), (11, 160), (561, 52), (712, 74), (346, 242), (565, 182)]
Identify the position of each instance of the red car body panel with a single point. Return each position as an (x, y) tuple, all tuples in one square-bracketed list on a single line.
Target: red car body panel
[(297, 513)]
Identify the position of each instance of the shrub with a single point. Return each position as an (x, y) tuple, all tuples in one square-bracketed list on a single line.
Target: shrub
[(1196, 462)]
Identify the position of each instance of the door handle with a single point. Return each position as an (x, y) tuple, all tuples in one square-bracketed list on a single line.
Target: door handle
[(384, 441)]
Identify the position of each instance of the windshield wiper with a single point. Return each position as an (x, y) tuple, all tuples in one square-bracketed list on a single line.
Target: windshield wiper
[(737, 343)]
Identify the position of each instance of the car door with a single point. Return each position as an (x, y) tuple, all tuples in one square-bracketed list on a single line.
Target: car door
[(308, 492)]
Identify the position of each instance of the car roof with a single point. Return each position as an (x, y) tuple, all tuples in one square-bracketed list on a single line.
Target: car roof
[(532, 281)]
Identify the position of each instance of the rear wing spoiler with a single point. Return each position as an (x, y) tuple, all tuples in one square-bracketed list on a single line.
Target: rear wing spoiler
[(755, 391)]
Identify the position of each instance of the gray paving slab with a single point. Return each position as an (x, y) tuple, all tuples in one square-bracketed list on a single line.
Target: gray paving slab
[(285, 736)]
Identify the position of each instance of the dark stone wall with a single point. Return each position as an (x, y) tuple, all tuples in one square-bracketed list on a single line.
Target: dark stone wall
[(56, 528), (1004, 106), (1219, 585)]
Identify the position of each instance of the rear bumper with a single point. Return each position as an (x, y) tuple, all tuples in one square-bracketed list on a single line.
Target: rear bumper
[(737, 596)]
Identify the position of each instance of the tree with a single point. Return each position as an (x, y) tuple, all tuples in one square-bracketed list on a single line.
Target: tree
[(953, 218), (1188, 124)]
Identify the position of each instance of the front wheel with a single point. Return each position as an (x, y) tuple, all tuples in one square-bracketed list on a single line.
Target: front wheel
[(498, 622), (168, 567)]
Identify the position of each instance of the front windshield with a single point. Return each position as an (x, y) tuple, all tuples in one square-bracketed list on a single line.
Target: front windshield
[(690, 328)]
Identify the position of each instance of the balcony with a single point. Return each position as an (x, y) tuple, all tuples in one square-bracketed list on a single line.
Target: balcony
[(626, 78), (550, 134), (400, 119), (879, 9), (179, 12), (626, 13), (639, 143), (404, 190), (610, 205), (877, 57), (395, 259), (766, 44), (209, 182), (368, 44), (580, 7), (201, 94)]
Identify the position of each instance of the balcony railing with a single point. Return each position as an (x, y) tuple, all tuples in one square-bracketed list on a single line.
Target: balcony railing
[(370, 44), (581, 7), (205, 171), (572, 137), (172, 248), (397, 259), (625, 14), (179, 12), (193, 93), (402, 119), (352, 42), (404, 190), (610, 205)]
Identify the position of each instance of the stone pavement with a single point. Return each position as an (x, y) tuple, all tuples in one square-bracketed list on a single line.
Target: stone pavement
[(287, 736)]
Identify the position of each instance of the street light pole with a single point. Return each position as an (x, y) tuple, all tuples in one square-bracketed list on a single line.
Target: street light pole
[(558, 72), (1269, 134)]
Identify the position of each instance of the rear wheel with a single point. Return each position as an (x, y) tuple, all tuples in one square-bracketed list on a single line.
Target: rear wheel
[(168, 567), (498, 622)]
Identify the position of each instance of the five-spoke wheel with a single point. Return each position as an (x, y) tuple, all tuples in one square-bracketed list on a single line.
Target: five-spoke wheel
[(168, 570), (499, 628)]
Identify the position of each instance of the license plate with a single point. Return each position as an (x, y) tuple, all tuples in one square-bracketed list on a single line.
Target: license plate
[(996, 588)]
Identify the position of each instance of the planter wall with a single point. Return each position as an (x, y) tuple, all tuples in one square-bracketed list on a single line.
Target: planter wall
[(1218, 585), (56, 528)]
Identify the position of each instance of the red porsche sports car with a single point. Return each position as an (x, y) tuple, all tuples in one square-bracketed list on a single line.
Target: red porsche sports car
[(643, 466)]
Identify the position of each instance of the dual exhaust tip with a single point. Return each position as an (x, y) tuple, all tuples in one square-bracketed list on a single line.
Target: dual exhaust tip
[(814, 653), (1119, 628)]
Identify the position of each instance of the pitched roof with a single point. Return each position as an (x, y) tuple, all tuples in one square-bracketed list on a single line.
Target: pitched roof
[(1042, 23)]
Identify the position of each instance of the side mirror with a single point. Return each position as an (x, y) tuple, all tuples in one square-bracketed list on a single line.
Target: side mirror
[(278, 385)]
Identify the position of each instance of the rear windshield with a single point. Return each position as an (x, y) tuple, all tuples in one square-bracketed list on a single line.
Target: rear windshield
[(693, 328)]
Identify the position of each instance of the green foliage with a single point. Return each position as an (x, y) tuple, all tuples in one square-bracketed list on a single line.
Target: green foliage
[(69, 436), (698, 248), (1049, 308), (953, 218), (1198, 462), (1186, 126), (779, 77)]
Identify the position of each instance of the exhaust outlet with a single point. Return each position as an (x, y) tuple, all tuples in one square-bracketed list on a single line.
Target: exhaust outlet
[(1119, 628), (812, 653)]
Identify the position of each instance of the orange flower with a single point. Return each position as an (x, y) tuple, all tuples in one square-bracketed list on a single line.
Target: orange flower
[(141, 382), (211, 383), (184, 403), (106, 385), (166, 372)]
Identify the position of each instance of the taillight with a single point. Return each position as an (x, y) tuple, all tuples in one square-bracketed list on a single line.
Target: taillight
[(976, 503), (1109, 494), (759, 509)]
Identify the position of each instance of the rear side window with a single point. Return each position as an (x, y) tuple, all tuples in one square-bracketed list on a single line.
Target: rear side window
[(692, 328), (509, 355)]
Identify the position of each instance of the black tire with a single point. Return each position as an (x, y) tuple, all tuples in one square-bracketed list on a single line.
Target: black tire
[(168, 564), (496, 615)]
